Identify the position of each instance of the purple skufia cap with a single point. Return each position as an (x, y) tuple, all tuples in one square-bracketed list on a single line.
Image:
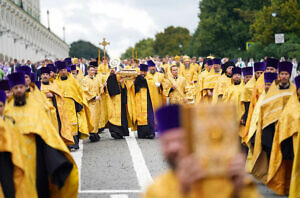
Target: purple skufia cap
[(269, 77), (17, 78), (236, 70), (2, 96), (297, 82), (259, 66), (73, 67), (45, 70), (51, 68), (209, 62), (33, 77), (272, 62), (247, 71), (285, 66), (60, 65), (150, 63), (68, 61), (143, 67), (4, 85), (217, 61), (25, 69), (167, 118), (38, 84)]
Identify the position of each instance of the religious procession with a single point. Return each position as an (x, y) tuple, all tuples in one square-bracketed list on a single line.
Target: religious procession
[(256, 108), (184, 99)]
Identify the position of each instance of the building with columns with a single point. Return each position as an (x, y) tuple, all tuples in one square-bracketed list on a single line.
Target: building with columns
[(22, 36)]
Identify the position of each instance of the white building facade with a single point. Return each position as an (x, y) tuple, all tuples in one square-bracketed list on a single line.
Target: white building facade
[(22, 36)]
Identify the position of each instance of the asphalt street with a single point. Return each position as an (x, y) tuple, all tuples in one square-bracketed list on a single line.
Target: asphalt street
[(122, 168)]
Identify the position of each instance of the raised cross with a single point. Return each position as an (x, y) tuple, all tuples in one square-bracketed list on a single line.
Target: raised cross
[(104, 44)]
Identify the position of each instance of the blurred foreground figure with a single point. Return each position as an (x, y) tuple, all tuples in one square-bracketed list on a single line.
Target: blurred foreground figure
[(186, 177)]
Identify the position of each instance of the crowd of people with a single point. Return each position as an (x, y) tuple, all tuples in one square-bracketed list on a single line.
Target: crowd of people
[(48, 107)]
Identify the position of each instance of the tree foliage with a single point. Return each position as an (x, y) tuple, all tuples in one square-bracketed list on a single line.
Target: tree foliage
[(143, 48), (289, 49), (286, 20), (224, 26), (84, 49), (172, 41)]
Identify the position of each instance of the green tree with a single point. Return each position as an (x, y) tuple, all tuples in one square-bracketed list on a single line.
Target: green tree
[(283, 16), (127, 54), (144, 48), (172, 41), (289, 49), (224, 26), (84, 49)]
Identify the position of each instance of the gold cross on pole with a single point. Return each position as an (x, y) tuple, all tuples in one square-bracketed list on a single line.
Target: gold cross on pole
[(104, 44)]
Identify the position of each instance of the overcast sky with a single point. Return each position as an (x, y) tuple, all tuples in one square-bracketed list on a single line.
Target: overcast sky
[(122, 22)]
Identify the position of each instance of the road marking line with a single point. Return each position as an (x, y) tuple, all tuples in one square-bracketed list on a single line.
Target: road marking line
[(119, 196), (109, 191), (77, 156), (143, 175)]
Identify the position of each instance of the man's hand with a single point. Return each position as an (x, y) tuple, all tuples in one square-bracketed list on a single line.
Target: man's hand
[(97, 98), (173, 87), (236, 171), (49, 95), (189, 171)]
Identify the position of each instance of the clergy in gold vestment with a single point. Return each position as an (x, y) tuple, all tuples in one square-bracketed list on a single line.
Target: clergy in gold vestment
[(55, 97), (103, 108), (247, 92), (199, 88), (48, 164), (147, 100), (290, 118), (188, 71), (92, 89), (41, 98), (103, 68), (209, 82), (271, 109), (53, 71), (249, 139), (196, 65), (120, 100), (175, 87), (158, 79), (284, 135), (76, 74), (13, 181), (223, 83), (234, 92), (259, 67), (186, 179), (76, 104)]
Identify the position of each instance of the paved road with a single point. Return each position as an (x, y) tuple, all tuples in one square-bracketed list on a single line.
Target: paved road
[(121, 168)]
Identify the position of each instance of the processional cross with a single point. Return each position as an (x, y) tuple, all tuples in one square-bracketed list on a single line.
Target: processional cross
[(104, 44)]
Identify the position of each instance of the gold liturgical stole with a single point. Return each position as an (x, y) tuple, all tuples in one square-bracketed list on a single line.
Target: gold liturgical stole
[(212, 135)]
